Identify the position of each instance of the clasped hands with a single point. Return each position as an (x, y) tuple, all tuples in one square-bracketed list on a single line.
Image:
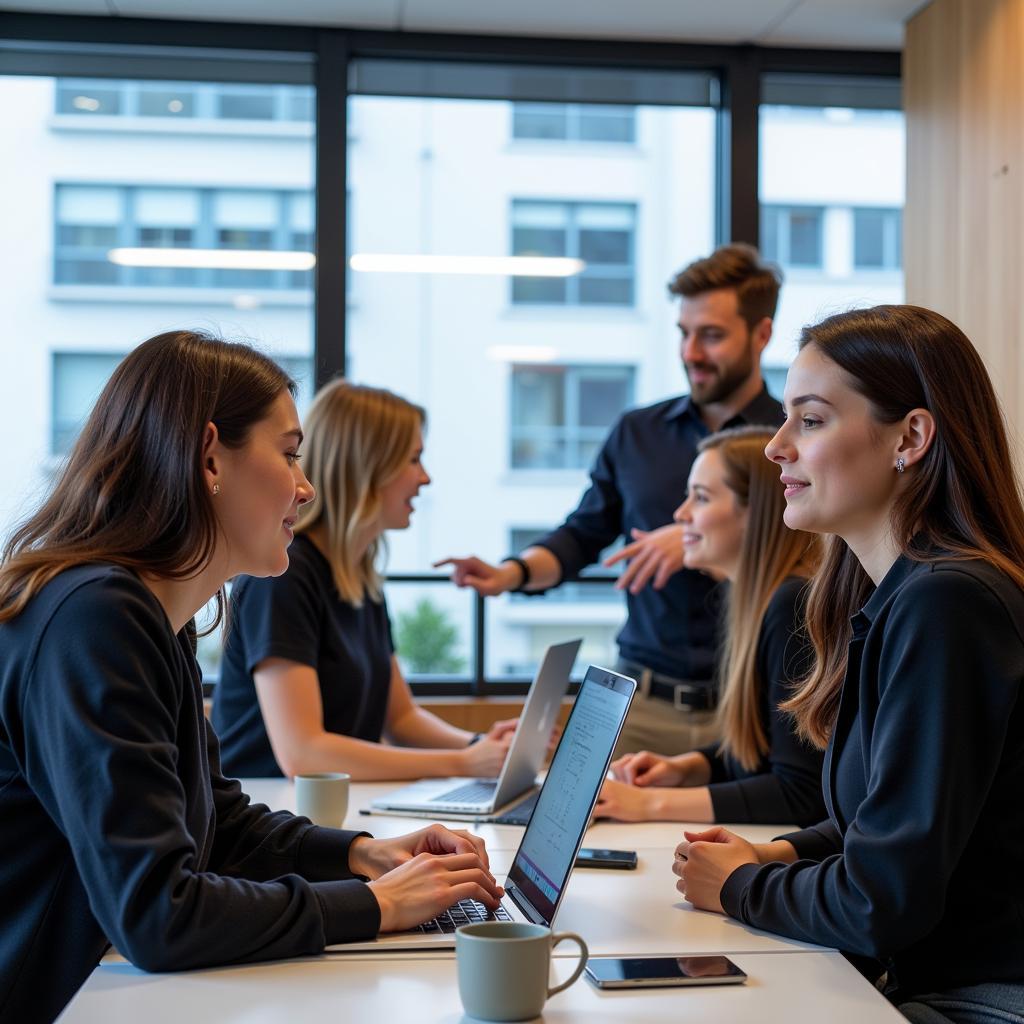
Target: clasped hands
[(703, 862)]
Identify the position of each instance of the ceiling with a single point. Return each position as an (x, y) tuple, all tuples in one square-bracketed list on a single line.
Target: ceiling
[(859, 24)]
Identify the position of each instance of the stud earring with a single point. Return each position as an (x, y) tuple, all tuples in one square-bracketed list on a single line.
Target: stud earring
[(216, 487), (900, 465)]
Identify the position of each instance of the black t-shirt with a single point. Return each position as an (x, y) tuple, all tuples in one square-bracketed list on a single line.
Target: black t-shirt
[(786, 785), (300, 616)]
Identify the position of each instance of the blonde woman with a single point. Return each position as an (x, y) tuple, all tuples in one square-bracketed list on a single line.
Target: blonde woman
[(309, 680), (761, 771)]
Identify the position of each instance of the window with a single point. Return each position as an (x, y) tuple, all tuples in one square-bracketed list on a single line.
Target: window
[(877, 239), (93, 219), (561, 414), (184, 101), (599, 234), (832, 150), (792, 235), (579, 122), (89, 221), (79, 377)]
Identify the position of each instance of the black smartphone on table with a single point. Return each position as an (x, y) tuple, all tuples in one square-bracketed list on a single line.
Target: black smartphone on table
[(659, 971), (624, 860)]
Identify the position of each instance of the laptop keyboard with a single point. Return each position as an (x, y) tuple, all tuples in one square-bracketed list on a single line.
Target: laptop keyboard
[(474, 792), (518, 814), (463, 912)]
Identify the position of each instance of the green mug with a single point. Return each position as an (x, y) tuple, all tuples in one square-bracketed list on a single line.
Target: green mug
[(504, 966)]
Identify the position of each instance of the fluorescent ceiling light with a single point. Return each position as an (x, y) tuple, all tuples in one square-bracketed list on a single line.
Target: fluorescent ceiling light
[(523, 353), (504, 266), (216, 259)]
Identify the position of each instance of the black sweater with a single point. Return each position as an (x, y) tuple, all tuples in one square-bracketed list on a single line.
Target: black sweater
[(786, 785), (920, 864), (116, 825)]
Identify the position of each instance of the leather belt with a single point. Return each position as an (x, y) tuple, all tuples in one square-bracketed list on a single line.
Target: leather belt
[(682, 694)]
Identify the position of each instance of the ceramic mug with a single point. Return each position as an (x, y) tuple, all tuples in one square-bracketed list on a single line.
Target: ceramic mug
[(322, 797), (503, 968)]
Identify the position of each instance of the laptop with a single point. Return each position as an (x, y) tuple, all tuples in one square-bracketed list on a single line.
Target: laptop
[(478, 797), (546, 855)]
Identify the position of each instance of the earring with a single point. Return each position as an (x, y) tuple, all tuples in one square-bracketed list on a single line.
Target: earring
[(900, 465), (216, 487)]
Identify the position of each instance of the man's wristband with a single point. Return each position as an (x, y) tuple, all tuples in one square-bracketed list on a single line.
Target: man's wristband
[(524, 568)]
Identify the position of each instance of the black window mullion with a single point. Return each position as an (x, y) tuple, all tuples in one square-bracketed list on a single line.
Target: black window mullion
[(330, 189), (739, 149)]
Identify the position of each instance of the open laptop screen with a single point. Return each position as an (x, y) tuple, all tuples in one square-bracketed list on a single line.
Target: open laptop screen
[(555, 832)]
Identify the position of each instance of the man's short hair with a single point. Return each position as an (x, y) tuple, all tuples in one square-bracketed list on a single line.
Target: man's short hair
[(738, 266)]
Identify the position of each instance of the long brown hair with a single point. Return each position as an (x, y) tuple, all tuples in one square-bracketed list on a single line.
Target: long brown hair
[(132, 492), (769, 553), (357, 440), (961, 500)]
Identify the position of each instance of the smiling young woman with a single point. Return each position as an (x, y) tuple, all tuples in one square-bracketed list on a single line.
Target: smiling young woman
[(895, 446), (761, 771), (310, 681), (118, 825)]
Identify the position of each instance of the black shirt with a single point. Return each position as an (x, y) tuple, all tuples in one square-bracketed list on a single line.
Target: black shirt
[(117, 825), (638, 480), (786, 785), (920, 864), (300, 616)]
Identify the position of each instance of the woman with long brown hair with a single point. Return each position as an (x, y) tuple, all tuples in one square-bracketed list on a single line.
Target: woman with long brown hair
[(895, 446), (118, 826), (761, 771), (310, 681)]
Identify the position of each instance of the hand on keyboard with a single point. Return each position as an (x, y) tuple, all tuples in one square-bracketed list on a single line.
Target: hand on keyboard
[(428, 884)]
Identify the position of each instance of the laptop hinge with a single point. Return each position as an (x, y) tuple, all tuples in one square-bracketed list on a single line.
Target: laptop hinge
[(527, 908)]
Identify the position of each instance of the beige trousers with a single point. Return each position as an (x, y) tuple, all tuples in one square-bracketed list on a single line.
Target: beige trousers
[(654, 724)]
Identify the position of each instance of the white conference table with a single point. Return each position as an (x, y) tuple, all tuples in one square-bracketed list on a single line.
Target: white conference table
[(617, 912), (798, 988)]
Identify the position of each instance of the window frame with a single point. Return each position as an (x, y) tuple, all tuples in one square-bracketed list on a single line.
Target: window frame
[(80, 46)]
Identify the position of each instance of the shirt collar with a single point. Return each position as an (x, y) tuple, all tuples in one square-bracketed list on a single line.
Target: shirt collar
[(897, 575), (762, 408)]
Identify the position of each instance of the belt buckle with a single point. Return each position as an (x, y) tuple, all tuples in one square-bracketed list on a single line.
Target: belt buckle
[(677, 697)]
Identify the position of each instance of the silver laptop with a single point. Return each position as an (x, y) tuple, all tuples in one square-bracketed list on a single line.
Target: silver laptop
[(477, 797), (545, 858)]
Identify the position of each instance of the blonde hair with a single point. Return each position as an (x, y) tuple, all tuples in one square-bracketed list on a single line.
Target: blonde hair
[(357, 440), (769, 553)]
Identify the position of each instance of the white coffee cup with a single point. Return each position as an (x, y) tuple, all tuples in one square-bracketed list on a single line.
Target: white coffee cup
[(323, 797), (503, 968)]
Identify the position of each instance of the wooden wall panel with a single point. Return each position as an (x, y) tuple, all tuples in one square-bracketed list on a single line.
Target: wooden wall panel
[(964, 99)]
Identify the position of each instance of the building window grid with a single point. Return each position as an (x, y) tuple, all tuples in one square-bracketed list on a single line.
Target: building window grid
[(570, 444), (185, 101), (87, 262), (583, 289), (877, 238), (793, 236)]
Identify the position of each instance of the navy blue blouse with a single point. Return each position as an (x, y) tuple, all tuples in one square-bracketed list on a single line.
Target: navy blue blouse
[(920, 864)]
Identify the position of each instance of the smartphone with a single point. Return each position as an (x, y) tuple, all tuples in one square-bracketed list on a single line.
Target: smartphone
[(658, 971), (623, 859)]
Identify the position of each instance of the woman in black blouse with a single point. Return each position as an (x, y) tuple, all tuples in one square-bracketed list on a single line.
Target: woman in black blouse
[(895, 445), (118, 826), (761, 771)]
